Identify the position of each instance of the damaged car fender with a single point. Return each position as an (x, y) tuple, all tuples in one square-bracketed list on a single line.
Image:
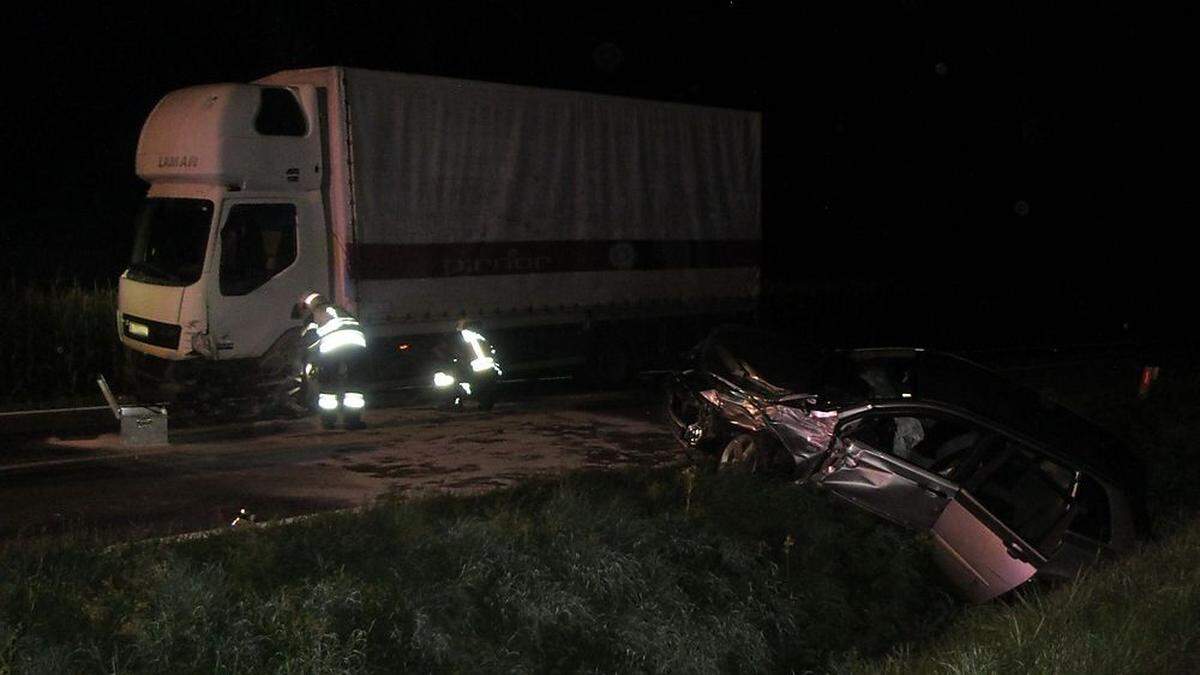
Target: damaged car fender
[(805, 432)]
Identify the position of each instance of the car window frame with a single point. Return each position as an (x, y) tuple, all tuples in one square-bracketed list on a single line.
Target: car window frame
[(906, 409), (916, 407)]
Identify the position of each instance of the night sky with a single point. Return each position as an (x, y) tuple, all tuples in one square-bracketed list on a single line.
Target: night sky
[(904, 141)]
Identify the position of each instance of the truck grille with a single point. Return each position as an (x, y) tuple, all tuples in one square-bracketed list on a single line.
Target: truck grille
[(151, 332)]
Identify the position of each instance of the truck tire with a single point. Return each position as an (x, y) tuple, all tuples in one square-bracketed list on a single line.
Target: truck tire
[(280, 371)]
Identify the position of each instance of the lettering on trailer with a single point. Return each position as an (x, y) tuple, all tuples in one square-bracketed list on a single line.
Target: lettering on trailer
[(418, 261), (178, 161)]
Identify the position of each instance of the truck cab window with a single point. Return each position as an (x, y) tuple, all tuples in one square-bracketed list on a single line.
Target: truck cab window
[(279, 114), (172, 235), (257, 242)]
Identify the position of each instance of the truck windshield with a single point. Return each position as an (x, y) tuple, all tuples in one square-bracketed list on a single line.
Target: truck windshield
[(172, 235)]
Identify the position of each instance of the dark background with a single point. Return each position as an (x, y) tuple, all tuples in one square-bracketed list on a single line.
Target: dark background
[(927, 163)]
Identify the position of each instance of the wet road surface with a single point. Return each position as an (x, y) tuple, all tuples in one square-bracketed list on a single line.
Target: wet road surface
[(94, 486)]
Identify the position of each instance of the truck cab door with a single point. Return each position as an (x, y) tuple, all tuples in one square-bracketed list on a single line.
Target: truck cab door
[(270, 252)]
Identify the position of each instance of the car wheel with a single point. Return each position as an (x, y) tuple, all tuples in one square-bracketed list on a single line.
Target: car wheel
[(745, 453)]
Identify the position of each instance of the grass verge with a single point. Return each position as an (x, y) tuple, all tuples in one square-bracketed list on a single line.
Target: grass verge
[(56, 339), (1139, 615), (650, 570)]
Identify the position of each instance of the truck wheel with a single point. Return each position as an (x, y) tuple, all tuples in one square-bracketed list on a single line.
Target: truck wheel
[(279, 372)]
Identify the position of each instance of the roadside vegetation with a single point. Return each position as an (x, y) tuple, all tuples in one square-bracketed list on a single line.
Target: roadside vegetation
[(665, 570), (1138, 615), (670, 570), (56, 338)]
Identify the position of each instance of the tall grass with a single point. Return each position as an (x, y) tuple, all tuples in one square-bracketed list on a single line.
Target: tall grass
[(54, 339), (1140, 615), (594, 572)]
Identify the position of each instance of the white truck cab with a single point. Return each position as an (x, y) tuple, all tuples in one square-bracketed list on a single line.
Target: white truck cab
[(233, 225)]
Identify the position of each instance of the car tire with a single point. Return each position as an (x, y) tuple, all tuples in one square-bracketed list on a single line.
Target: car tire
[(745, 453)]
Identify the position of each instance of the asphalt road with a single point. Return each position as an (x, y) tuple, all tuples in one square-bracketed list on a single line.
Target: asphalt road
[(92, 486)]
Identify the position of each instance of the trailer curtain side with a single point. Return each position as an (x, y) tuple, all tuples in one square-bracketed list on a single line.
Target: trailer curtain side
[(481, 199)]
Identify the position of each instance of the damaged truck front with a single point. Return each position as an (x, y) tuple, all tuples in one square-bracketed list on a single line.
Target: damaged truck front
[(1008, 485)]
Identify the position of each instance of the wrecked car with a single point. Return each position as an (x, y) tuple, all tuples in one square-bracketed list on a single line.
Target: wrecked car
[(1008, 484)]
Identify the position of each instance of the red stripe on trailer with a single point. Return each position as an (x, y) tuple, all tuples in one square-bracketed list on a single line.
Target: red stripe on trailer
[(419, 261)]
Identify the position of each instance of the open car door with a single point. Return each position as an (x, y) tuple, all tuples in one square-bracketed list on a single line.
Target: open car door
[(1012, 511), (981, 555), (983, 496)]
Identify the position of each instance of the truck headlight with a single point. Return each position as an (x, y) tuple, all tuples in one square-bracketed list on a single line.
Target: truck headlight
[(441, 379)]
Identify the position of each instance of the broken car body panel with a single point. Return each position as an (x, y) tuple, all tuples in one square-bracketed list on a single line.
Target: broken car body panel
[(888, 488), (805, 432), (1008, 485)]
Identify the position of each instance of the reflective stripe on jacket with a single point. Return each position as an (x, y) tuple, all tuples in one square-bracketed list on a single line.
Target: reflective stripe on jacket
[(329, 328)]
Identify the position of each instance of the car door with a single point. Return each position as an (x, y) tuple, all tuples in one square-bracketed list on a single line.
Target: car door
[(982, 556), (871, 465), (1013, 507), (918, 469)]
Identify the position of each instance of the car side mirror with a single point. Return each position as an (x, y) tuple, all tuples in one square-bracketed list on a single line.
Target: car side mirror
[(297, 311)]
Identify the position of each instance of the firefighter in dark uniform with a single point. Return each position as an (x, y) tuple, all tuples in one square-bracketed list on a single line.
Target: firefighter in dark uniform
[(334, 346), (471, 368)]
